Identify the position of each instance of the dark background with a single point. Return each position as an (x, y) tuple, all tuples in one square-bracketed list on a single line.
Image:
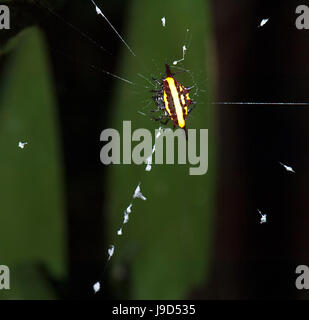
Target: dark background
[(269, 64)]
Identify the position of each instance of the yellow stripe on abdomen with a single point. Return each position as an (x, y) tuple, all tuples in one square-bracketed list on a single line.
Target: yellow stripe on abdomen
[(177, 104), (166, 103)]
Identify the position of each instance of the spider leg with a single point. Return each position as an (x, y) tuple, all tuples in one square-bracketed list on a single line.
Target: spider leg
[(162, 118), (164, 122), (189, 88), (157, 110), (193, 106), (157, 81), (160, 106), (159, 102)]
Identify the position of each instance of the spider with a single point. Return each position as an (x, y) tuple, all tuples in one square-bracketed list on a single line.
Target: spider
[(173, 100)]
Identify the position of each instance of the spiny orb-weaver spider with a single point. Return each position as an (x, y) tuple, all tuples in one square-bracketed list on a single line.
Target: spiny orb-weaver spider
[(173, 99)]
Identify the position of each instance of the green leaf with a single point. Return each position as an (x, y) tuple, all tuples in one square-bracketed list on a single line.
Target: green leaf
[(167, 242), (32, 229)]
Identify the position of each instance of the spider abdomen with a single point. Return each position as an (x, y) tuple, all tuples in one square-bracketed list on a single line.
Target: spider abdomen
[(173, 99)]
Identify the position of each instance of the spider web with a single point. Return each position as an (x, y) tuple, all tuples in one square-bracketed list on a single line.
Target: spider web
[(147, 64), (149, 83), (134, 81)]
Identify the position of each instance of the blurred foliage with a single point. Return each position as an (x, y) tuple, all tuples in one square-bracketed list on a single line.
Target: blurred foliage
[(32, 237), (166, 246)]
